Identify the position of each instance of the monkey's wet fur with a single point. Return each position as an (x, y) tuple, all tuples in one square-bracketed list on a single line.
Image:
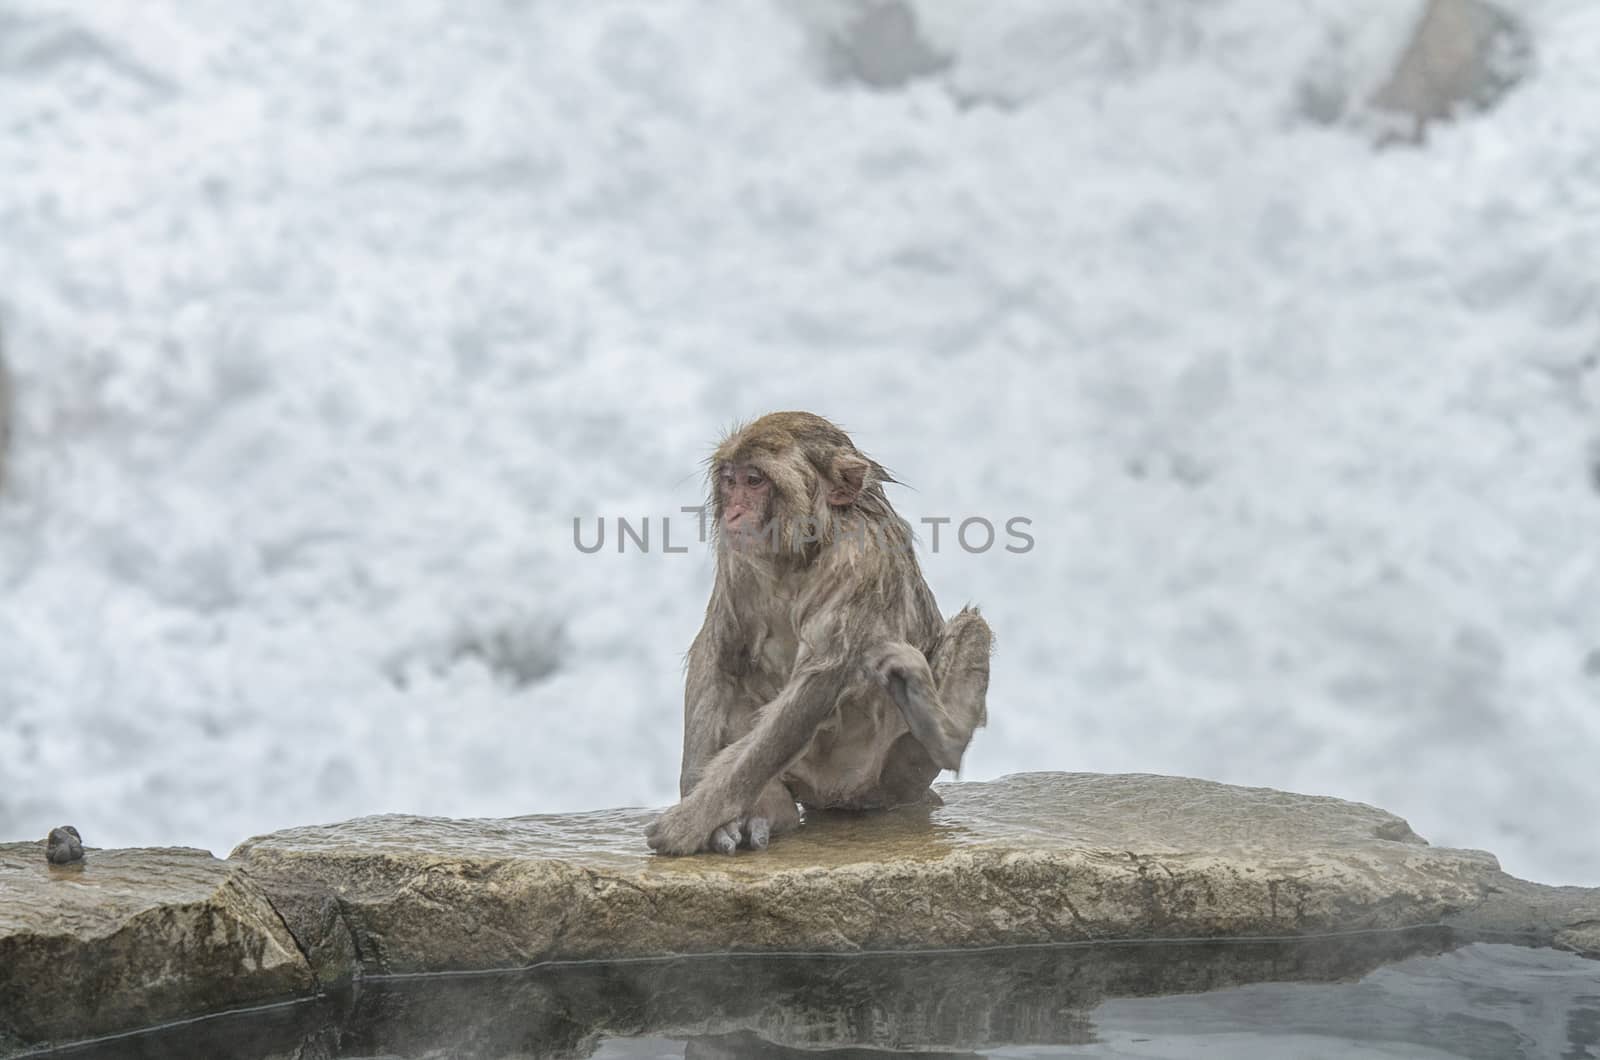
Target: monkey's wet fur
[(824, 676)]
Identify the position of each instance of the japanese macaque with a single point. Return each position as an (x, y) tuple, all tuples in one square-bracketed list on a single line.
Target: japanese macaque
[(824, 674)]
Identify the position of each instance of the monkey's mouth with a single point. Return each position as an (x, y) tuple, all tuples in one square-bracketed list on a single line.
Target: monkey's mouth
[(746, 537)]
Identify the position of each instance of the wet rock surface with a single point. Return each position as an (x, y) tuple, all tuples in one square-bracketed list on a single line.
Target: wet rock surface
[(1036, 858), (125, 938), (130, 938)]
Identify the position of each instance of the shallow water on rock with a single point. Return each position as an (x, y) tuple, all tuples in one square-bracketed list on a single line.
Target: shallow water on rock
[(1412, 994)]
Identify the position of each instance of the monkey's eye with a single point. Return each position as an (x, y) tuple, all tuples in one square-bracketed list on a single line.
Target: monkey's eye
[(755, 478)]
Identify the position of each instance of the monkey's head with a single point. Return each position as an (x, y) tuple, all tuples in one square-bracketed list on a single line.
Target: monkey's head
[(779, 484)]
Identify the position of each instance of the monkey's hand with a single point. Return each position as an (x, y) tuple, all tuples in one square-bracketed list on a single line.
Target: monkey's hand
[(690, 827), (773, 815), (903, 672)]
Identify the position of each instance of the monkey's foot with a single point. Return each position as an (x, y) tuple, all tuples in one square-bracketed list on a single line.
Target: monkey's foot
[(774, 814), (752, 832)]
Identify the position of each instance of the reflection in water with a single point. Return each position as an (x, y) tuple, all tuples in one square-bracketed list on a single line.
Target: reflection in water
[(1479, 1002), (749, 1046), (1377, 994)]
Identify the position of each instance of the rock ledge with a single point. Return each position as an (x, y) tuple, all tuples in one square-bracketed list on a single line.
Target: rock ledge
[(134, 937), (1028, 859)]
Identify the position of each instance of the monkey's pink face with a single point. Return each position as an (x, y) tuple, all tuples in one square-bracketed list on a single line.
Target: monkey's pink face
[(746, 500)]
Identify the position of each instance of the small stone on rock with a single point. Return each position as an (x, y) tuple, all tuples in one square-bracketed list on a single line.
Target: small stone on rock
[(64, 846)]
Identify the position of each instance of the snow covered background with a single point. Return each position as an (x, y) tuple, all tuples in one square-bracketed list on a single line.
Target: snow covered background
[(326, 323)]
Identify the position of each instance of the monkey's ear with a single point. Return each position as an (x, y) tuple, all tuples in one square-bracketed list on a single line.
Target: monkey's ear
[(849, 477)]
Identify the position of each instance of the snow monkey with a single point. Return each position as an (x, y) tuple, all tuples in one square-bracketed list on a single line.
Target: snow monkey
[(824, 673)]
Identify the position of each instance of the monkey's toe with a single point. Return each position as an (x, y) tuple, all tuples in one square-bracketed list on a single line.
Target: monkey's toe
[(760, 833), (725, 840)]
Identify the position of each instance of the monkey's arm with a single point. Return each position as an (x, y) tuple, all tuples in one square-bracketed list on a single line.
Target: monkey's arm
[(709, 698), (734, 779)]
